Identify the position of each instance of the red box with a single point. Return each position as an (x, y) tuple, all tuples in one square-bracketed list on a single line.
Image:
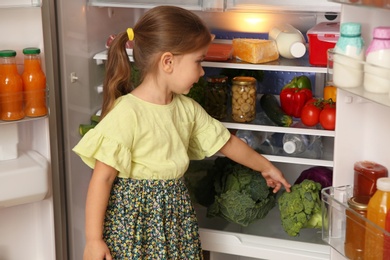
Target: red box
[(322, 37)]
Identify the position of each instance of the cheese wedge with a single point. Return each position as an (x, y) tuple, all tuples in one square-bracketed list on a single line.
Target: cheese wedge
[(255, 50)]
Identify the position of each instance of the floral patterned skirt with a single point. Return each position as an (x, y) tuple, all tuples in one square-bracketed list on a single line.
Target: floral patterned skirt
[(151, 219)]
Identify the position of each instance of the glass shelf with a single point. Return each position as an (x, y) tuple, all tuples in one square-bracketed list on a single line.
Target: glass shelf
[(364, 3), (282, 64)]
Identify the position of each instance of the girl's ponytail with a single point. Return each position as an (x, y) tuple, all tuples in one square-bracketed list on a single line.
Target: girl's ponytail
[(117, 81)]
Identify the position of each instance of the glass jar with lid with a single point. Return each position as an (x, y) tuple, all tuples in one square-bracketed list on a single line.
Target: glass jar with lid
[(243, 99), (217, 96)]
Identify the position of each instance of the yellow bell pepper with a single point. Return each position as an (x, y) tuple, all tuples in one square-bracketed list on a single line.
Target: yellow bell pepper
[(330, 92)]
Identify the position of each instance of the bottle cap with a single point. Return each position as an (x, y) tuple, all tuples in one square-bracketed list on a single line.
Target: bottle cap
[(31, 50), (381, 32), (383, 184), (359, 202), (297, 49), (7, 53), (289, 147), (350, 29)]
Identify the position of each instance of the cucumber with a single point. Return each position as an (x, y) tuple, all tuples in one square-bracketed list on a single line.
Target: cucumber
[(273, 110)]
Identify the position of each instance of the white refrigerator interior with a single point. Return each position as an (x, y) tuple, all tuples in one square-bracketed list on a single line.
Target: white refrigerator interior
[(26, 199)]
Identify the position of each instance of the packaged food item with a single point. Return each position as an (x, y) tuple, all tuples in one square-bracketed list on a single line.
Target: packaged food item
[(11, 88), (216, 97), (321, 38), (255, 50), (34, 84), (349, 57), (243, 99), (355, 228), (378, 206), (366, 174), (377, 66), (219, 52), (289, 40)]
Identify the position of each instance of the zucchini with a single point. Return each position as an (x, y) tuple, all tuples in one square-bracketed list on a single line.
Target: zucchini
[(273, 110)]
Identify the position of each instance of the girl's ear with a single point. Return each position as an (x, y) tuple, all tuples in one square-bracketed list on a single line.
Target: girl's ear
[(166, 61)]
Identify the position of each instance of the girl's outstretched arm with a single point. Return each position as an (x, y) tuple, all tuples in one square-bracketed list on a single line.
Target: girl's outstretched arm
[(97, 199), (240, 152)]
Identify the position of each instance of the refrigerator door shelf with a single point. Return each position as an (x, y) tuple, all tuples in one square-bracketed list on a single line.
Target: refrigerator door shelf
[(23, 180)]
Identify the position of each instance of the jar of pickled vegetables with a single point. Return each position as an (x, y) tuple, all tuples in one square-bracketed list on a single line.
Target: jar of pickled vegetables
[(216, 96), (243, 99)]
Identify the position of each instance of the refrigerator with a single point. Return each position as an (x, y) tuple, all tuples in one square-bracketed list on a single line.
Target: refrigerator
[(43, 191)]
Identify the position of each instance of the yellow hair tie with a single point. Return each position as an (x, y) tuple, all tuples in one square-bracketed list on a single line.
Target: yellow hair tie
[(130, 34)]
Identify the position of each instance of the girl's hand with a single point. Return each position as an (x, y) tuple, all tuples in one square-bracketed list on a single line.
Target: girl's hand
[(275, 179), (97, 250)]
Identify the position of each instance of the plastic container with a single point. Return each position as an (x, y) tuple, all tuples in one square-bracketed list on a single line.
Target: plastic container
[(336, 213), (34, 84), (243, 99), (11, 88), (376, 78), (289, 40), (322, 37), (216, 96), (348, 65), (377, 209), (366, 174), (355, 228)]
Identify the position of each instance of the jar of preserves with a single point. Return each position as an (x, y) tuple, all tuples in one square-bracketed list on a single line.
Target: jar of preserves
[(34, 84), (11, 87), (243, 99), (216, 97), (366, 174), (355, 227)]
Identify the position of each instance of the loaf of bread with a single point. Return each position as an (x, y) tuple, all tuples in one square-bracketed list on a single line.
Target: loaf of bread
[(255, 50)]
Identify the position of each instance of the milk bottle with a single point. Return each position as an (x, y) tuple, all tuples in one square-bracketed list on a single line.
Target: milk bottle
[(376, 78), (349, 57)]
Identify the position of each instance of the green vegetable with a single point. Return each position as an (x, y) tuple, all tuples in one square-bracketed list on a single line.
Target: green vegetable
[(300, 82), (301, 208), (239, 194), (273, 110), (197, 92)]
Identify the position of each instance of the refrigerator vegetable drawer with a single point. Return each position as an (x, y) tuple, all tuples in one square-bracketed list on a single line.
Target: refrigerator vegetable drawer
[(23, 180)]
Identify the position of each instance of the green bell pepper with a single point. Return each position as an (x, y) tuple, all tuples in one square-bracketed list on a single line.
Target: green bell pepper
[(300, 82)]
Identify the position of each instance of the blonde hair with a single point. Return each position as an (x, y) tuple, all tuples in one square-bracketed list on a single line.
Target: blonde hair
[(161, 29)]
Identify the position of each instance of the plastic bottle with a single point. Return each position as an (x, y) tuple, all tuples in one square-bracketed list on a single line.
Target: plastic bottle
[(377, 209), (11, 87), (306, 146), (34, 84), (289, 40), (349, 57), (376, 78), (253, 138)]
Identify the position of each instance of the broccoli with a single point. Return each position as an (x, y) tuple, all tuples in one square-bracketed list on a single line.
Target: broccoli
[(301, 208), (241, 194)]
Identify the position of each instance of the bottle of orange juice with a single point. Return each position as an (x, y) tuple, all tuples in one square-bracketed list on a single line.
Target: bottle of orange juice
[(378, 206), (34, 84), (11, 87)]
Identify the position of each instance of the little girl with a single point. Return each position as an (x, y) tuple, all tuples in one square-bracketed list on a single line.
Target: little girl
[(137, 204)]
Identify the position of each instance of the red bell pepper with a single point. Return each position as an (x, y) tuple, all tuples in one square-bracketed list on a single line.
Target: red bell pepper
[(292, 100)]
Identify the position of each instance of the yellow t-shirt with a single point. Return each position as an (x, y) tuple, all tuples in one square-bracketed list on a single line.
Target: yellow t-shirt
[(148, 141)]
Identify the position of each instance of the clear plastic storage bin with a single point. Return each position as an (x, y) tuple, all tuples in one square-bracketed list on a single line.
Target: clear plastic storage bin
[(336, 215)]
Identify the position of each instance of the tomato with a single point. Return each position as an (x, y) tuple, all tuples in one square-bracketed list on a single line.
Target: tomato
[(310, 114), (328, 117)]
